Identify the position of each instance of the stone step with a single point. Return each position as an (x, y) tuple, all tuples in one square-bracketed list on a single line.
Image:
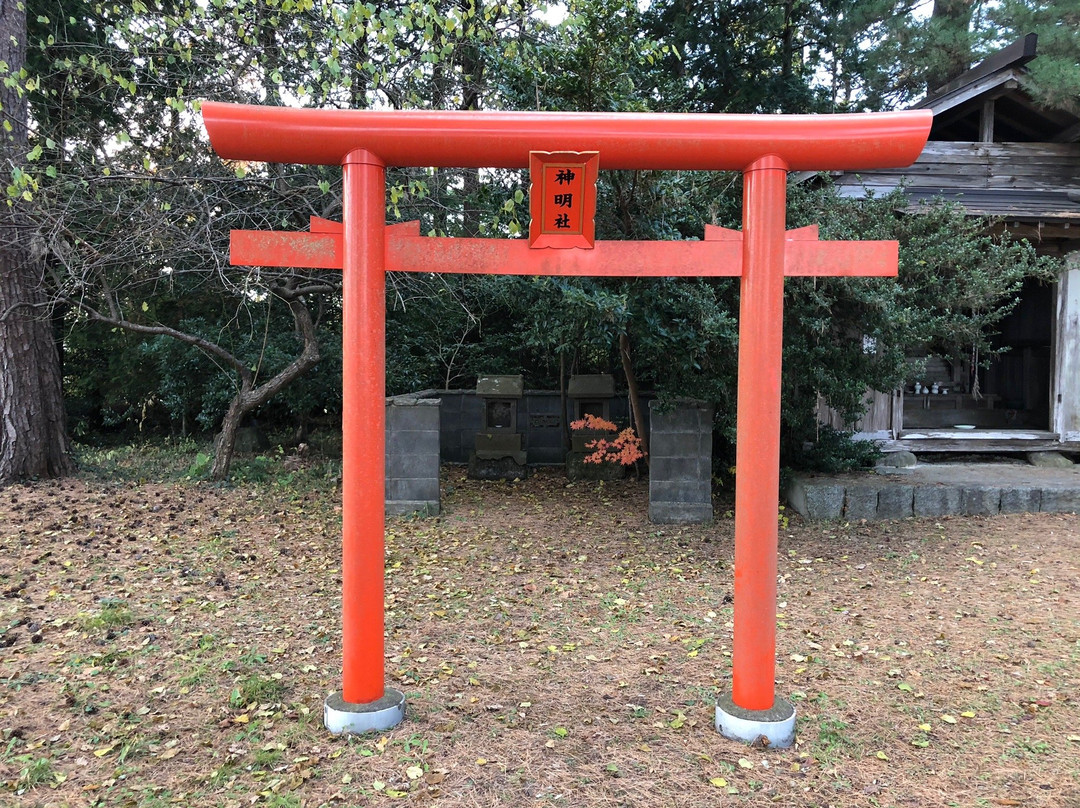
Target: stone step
[(935, 490)]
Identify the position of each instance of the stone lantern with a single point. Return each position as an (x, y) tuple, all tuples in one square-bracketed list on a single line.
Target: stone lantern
[(498, 454), (590, 394)]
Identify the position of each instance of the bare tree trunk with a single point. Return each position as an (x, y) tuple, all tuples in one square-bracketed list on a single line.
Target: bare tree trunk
[(562, 403), (33, 435), (635, 396), (250, 398), (225, 442), (787, 38)]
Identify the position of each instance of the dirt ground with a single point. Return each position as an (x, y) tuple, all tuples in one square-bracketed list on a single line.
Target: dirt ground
[(172, 644)]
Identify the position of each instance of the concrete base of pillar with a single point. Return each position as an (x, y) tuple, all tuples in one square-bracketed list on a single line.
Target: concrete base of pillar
[(341, 716), (749, 726)]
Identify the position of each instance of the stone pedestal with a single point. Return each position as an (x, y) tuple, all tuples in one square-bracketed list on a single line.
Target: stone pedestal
[(680, 463)]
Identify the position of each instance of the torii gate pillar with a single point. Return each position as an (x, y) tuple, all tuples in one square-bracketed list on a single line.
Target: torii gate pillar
[(364, 703), (763, 147)]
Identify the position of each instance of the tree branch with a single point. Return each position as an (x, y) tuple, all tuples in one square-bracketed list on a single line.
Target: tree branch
[(163, 330)]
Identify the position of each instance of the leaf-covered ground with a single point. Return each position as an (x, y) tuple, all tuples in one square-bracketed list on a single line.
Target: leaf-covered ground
[(172, 643)]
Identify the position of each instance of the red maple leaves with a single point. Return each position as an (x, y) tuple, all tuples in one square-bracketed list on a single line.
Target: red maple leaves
[(624, 450)]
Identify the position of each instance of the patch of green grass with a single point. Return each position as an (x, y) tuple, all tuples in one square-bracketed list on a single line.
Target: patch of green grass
[(1029, 748), (266, 758), (283, 801), (168, 459), (36, 772), (833, 740), (161, 799), (223, 773), (256, 689), (194, 676), (113, 614)]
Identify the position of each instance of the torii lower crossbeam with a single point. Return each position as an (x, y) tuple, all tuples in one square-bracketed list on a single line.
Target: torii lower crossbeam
[(763, 147)]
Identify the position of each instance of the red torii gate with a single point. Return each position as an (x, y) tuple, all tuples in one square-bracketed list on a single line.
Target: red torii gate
[(763, 147)]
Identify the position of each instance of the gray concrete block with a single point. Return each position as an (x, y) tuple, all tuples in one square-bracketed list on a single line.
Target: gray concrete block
[(860, 502), (825, 501), (679, 423), (980, 500), (450, 448), (1021, 500), (795, 496), (546, 454), (502, 468), (816, 500), (896, 502), (424, 489), (472, 409), (411, 507), (680, 444), (690, 412), (544, 439), (680, 513), (400, 465), (412, 441), (681, 491), (542, 405), (1060, 500), (675, 421), (936, 500), (680, 468), (412, 418)]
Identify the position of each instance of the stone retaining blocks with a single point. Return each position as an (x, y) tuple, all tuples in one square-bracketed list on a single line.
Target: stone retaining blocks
[(824, 498), (680, 463), (412, 455), (936, 500)]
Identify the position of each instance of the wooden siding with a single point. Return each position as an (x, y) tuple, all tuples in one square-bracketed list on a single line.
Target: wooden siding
[(879, 421), (1022, 180)]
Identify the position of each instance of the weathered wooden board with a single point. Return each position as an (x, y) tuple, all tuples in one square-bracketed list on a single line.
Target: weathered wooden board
[(1002, 444)]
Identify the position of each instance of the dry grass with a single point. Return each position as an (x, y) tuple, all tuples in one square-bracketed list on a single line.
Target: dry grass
[(171, 644)]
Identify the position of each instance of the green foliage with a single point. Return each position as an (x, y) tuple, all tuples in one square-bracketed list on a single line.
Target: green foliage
[(168, 459), (256, 689), (113, 614), (843, 336), (1055, 74), (36, 772), (740, 57), (200, 467), (135, 210), (835, 451)]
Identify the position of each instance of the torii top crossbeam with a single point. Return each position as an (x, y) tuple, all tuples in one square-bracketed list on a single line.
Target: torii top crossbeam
[(763, 147), (672, 141)]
